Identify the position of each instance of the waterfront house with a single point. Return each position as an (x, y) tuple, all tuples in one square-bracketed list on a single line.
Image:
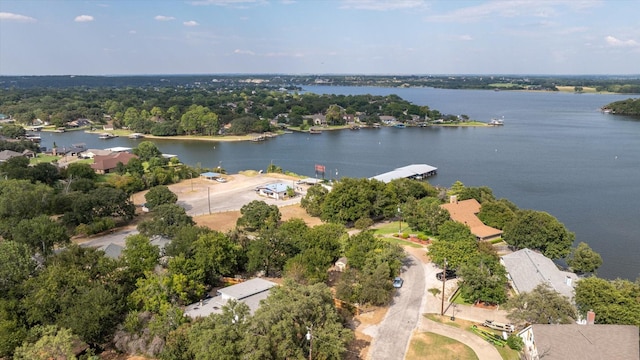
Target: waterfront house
[(580, 342), (526, 269), (466, 212), (276, 191), (104, 164)]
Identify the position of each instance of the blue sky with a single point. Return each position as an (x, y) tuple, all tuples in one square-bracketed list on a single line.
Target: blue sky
[(319, 37)]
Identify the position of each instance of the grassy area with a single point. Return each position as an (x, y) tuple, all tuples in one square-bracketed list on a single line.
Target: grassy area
[(432, 346), (392, 227), (401, 242), (585, 89), (458, 299), (43, 158)]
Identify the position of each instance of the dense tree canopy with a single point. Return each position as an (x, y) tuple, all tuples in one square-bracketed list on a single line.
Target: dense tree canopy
[(583, 259), (539, 231), (542, 305), (613, 301)]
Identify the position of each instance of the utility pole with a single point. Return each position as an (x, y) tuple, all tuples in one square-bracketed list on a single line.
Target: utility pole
[(209, 199), (444, 280)]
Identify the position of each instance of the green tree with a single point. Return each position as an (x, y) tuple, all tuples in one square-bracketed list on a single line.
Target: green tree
[(482, 283), (497, 213), (258, 215), (16, 266), (80, 171), (41, 234), (613, 301), (139, 255), (539, 231), (425, 215), (313, 200), (217, 255), (159, 195), (51, 343), (279, 326), (20, 199), (166, 220), (583, 259), (147, 150), (541, 305)]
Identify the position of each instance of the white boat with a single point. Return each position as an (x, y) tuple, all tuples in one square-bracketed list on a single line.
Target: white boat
[(136, 136), (106, 136), (496, 122)]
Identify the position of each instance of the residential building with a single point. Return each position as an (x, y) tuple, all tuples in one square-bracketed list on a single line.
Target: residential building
[(250, 292), (104, 164), (527, 269), (276, 191), (466, 212), (580, 342)]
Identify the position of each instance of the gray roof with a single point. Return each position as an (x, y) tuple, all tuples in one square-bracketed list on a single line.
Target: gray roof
[(527, 269), (586, 342), (112, 250), (250, 292), (8, 154), (405, 172), (247, 288)]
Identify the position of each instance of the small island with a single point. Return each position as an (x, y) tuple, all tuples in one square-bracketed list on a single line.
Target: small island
[(623, 107)]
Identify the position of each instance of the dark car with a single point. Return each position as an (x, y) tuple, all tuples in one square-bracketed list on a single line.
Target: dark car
[(451, 274)]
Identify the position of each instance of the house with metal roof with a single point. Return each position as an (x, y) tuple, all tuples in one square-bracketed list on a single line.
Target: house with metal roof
[(276, 190), (250, 292), (580, 342), (466, 212), (413, 171), (527, 269)]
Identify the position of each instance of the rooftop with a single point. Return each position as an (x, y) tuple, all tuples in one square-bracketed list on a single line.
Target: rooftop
[(413, 171), (250, 292), (527, 269), (586, 342), (465, 211)]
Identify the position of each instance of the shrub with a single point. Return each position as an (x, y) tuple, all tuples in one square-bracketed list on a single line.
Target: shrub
[(515, 342), (363, 223), (405, 235)]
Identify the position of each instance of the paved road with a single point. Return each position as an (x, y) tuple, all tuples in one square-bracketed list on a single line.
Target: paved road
[(392, 335)]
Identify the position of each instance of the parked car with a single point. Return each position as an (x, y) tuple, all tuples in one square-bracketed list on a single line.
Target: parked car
[(451, 274), (221, 180), (397, 282)]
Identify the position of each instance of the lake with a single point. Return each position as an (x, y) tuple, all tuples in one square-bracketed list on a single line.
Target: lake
[(556, 153)]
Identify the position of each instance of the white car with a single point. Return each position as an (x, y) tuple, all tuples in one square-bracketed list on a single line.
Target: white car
[(221, 180)]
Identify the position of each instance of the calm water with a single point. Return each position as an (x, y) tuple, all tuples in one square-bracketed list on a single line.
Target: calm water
[(556, 153)]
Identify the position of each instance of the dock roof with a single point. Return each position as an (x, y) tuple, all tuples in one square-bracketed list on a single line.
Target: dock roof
[(406, 172)]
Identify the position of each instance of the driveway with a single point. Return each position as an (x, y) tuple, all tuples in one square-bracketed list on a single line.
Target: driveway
[(392, 335)]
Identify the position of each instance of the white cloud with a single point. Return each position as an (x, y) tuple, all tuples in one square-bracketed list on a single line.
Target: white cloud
[(465, 37), (615, 42), (514, 8), (382, 5), (7, 16), (231, 3), (83, 18), (164, 18), (190, 23), (243, 52)]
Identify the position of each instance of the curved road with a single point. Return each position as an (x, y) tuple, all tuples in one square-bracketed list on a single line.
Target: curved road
[(393, 334)]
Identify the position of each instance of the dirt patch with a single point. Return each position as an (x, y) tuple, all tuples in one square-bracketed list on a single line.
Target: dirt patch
[(359, 348), (226, 221)]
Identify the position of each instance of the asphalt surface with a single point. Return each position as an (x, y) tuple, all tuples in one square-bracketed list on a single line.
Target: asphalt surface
[(392, 335)]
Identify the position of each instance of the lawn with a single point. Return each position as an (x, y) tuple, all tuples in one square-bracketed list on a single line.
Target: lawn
[(42, 158), (432, 346)]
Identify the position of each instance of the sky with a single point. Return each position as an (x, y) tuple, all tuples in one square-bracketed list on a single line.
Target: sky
[(370, 37)]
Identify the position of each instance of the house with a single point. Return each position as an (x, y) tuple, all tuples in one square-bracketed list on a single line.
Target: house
[(318, 119), (342, 264), (466, 211), (580, 342), (413, 171), (211, 175), (526, 269), (104, 164), (276, 191), (8, 154), (250, 292)]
